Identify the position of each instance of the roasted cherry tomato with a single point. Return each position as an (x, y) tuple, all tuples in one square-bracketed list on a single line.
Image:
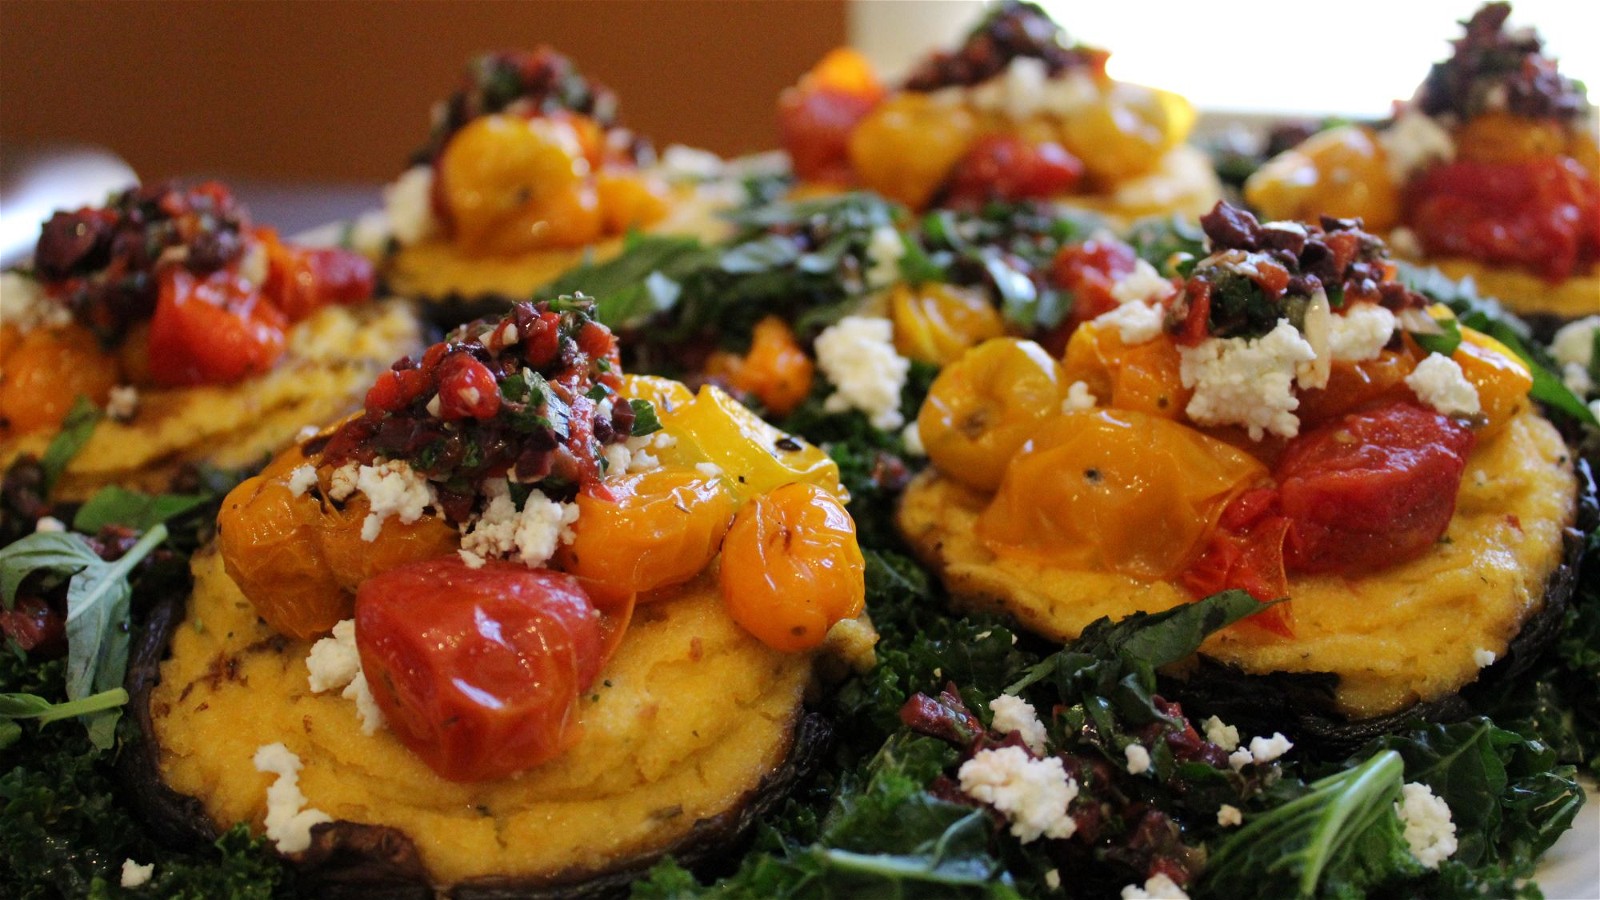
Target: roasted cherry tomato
[(1245, 552), (983, 406), (1542, 215), (1088, 271), (791, 567), (1370, 489), (512, 184), (816, 116), (215, 329), (1338, 172), (46, 370), (906, 147), (34, 627), (1006, 168), (302, 280), (1145, 377), (752, 455), (478, 671), (936, 323), (776, 370)]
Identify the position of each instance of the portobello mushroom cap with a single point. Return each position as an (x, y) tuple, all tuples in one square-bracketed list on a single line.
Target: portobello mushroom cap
[(1368, 650), (692, 732), (330, 361)]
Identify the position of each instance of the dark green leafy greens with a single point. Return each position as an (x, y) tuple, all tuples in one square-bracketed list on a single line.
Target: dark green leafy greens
[(75, 431)]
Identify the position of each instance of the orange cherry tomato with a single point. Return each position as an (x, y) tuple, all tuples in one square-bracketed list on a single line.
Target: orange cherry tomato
[(905, 148), (1502, 379), (659, 528), (302, 280), (775, 370), (1144, 377), (791, 567), (629, 199), (816, 116), (215, 329), (478, 671), (46, 370), (512, 184)]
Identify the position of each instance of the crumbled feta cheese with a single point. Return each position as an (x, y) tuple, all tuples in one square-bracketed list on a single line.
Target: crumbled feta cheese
[(1404, 242), (1052, 879), (1239, 758), (470, 560), (367, 710), (1224, 736), (683, 163), (1265, 750), (1439, 382), (289, 820), (136, 875), (858, 357), (1025, 90), (1246, 381), (1079, 398), (49, 525), (408, 202), (1157, 887), (1228, 816), (1429, 831), (333, 661), (301, 480), (1138, 759), (306, 433), (1573, 349), (530, 534), (392, 489), (1012, 713), (123, 402), (1412, 143), (1484, 658), (1135, 322), (1144, 283), (1032, 793), (342, 481), (1359, 334), (708, 469), (24, 303), (885, 248), (911, 439), (617, 459)]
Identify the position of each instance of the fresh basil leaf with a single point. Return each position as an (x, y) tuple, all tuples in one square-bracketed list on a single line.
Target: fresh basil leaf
[(114, 505), (68, 442), (63, 553), (1018, 295), (645, 420), (33, 706)]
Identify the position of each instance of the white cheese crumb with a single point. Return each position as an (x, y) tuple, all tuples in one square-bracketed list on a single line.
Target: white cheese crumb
[(1359, 334), (333, 661), (858, 357), (123, 402), (708, 469), (1573, 349), (683, 163), (1012, 713), (367, 709), (1224, 736), (306, 433), (1052, 879), (1228, 816), (393, 489), (617, 459), (1142, 284), (1156, 887), (470, 559), (1414, 142), (529, 535), (911, 438), (342, 481), (49, 525), (136, 875), (1079, 398), (289, 821), (1265, 750), (1246, 381), (1032, 793), (1439, 382), (1404, 243), (301, 480), (1138, 759), (1429, 831), (1239, 758), (1135, 322), (24, 303), (408, 202), (1484, 658), (884, 251)]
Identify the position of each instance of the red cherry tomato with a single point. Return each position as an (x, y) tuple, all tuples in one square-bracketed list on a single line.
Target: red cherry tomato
[(211, 330), (1370, 489), (1008, 168), (467, 389), (302, 280), (1542, 214), (1246, 553), (478, 671), (814, 126), (35, 627), (1088, 271)]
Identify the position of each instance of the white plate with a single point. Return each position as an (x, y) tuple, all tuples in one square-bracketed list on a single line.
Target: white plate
[(1571, 868)]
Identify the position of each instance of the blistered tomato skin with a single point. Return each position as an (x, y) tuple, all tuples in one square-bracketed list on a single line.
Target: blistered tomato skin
[(215, 329), (46, 370), (478, 671), (791, 567), (983, 406)]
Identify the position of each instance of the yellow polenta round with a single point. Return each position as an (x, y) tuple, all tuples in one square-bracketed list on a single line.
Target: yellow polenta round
[(329, 362), (1526, 293), (1183, 184), (1395, 637), (682, 726)]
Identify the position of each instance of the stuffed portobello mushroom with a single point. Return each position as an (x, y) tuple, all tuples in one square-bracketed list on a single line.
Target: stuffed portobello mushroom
[(522, 624), (1280, 417)]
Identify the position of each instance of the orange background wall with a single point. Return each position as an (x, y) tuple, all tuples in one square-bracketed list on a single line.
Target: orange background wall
[(340, 91)]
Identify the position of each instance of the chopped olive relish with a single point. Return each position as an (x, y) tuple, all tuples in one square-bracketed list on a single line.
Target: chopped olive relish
[(1011, 31), (541, 83), (101, 262), (531, 396), (1495, 70), (1257, 274)]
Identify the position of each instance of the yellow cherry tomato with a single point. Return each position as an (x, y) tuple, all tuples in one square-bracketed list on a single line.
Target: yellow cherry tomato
[(630, 199), (1500, 137), (1143, 377), (1115, 490), (753, 456), (656, 528), (1500, 376), (1339, 172), (791, 567), (1128, 132), (936, 323), (907, 146), (982, 407), (664, 394), (44, 372), (514, 184)]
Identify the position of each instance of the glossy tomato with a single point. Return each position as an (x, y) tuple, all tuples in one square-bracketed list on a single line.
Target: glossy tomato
[(478, 671), (215, 329), (1088, 271), (817, 116), (1370, 489), (302, 280), (1007, 168)]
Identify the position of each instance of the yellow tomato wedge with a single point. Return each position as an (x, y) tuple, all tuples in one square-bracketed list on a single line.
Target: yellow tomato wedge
[(753, 456), (1115, 490)]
